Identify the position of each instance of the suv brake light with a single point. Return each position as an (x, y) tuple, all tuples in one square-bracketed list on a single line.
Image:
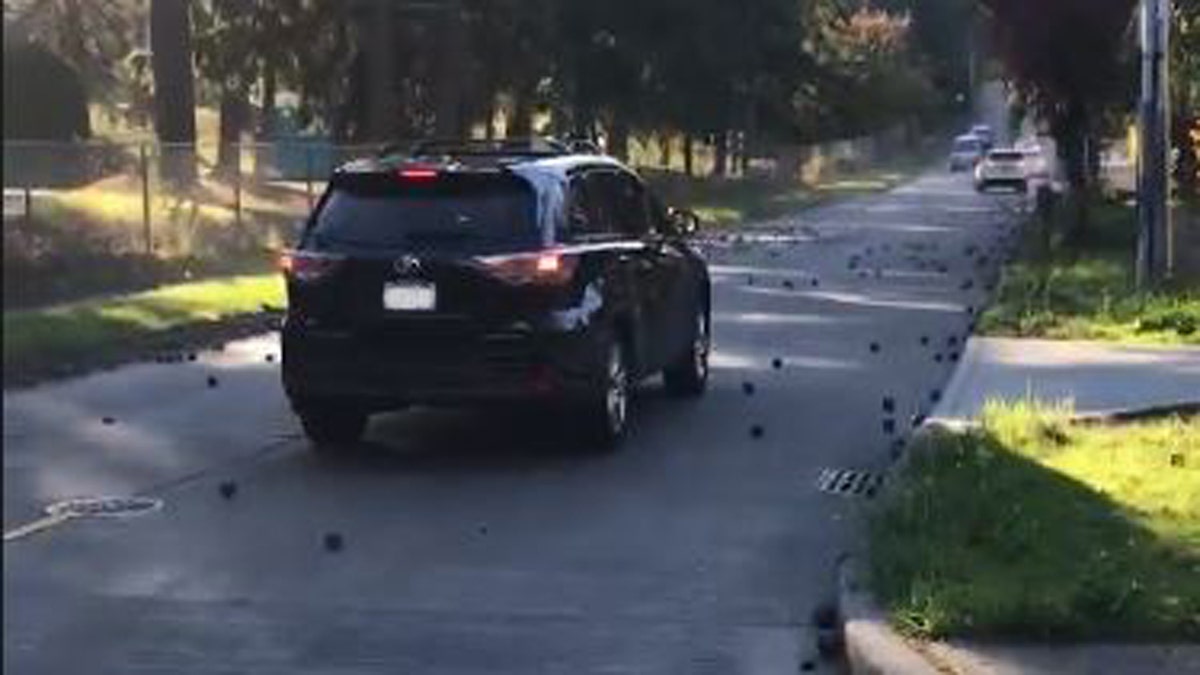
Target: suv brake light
[(308, 266), (549, 268)]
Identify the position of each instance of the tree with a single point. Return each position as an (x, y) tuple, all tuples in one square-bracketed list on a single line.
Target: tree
[(44, 97), (868, 76), (92, 37), (1185, 95), (174, 96), (1071, 61)]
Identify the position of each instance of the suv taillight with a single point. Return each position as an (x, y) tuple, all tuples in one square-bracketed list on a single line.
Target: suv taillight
[(547, 268), (308, 266)]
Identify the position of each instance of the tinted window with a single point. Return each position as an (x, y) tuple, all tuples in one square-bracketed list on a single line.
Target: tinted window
[(469, 216), (1006, 157), (586, 216)]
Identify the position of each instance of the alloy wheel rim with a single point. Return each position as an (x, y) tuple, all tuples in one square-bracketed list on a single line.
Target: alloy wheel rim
[(617, 396), (701, 347)]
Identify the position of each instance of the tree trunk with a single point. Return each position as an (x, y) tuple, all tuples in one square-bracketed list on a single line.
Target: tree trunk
[(450, 86), (1186, 180), (664, 150), (379, 89), (521, 124), (174, 95), (689, 154), (618, 138), (720, 154), (233, 121), (263, 150)]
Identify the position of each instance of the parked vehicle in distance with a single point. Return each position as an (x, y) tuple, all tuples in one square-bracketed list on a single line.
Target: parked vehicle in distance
[(984, 133), (490, 272), (966, 153), (1002, 168)]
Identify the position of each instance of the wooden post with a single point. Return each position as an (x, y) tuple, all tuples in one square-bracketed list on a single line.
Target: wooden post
[(144, 166)]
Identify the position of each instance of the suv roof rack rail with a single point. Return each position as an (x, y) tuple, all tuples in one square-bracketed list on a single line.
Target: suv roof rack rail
[(533, 146), (501, 147)]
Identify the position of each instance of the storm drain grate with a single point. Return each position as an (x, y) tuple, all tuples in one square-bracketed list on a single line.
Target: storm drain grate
[(849, 482), (103, 507)]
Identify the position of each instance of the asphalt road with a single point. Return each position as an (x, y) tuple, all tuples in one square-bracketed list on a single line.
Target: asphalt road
[(484, 543)]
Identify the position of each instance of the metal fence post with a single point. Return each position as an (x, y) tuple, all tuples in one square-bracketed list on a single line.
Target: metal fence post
[(144, 166), (28, 204), (308, 171)]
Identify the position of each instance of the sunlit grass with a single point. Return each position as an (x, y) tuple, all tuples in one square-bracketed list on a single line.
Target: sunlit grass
[(1087, 292), (68, 331), (1034, 526)]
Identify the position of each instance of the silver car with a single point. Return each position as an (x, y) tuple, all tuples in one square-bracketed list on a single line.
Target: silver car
[(966, 153)]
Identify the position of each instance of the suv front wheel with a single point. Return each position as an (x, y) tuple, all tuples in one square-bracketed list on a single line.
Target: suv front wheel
[(688, 375)]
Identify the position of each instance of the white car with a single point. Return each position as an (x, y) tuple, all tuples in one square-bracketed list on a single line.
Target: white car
[(966, 153), (1002, 168), (1037, 166)]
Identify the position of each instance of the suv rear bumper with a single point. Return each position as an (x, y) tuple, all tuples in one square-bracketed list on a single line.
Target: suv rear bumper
[(1019, 184), (382, 372)]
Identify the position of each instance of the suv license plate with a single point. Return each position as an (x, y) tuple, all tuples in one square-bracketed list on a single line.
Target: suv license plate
[(409, 297)]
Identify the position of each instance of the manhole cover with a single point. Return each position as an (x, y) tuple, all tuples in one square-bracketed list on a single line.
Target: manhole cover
[(849, 482), (110, 507)]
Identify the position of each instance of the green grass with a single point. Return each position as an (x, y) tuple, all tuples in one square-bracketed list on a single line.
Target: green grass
[(94, 328), (1032, 527), (729, 202), (1086, 291)]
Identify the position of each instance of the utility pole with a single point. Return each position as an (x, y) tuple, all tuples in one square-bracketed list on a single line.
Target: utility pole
[(1154, 183)]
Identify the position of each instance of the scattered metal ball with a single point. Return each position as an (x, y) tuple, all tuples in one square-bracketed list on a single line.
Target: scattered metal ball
[(333, 542)]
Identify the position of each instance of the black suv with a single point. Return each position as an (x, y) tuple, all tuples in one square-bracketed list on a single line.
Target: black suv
[(477, 273)]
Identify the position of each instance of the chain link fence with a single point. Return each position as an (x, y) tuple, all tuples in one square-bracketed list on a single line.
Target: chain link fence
[(83, 219), (98, 217)]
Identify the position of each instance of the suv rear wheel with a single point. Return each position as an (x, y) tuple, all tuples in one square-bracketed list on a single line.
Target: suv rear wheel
[(331, 427), (688, 376)]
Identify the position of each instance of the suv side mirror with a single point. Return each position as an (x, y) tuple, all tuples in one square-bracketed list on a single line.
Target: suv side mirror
[(684, 221)]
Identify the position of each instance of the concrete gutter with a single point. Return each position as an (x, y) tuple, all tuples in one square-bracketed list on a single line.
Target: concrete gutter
[(871, 646)]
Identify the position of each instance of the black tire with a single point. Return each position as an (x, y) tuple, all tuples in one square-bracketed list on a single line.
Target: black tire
[(332, 428), (605, 413), (688, 375)]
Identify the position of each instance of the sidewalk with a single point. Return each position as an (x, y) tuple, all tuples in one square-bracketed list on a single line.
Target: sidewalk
[(1099, 377)]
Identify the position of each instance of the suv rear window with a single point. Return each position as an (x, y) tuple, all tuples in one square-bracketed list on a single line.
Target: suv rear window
[(452, 214), (1006, 156)]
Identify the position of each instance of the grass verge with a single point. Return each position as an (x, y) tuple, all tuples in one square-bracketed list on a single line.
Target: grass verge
[(728, 202), (1033, 527), (76, 336), (1086, 290)]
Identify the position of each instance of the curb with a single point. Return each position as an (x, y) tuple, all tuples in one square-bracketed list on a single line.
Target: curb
[(871, 646)]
